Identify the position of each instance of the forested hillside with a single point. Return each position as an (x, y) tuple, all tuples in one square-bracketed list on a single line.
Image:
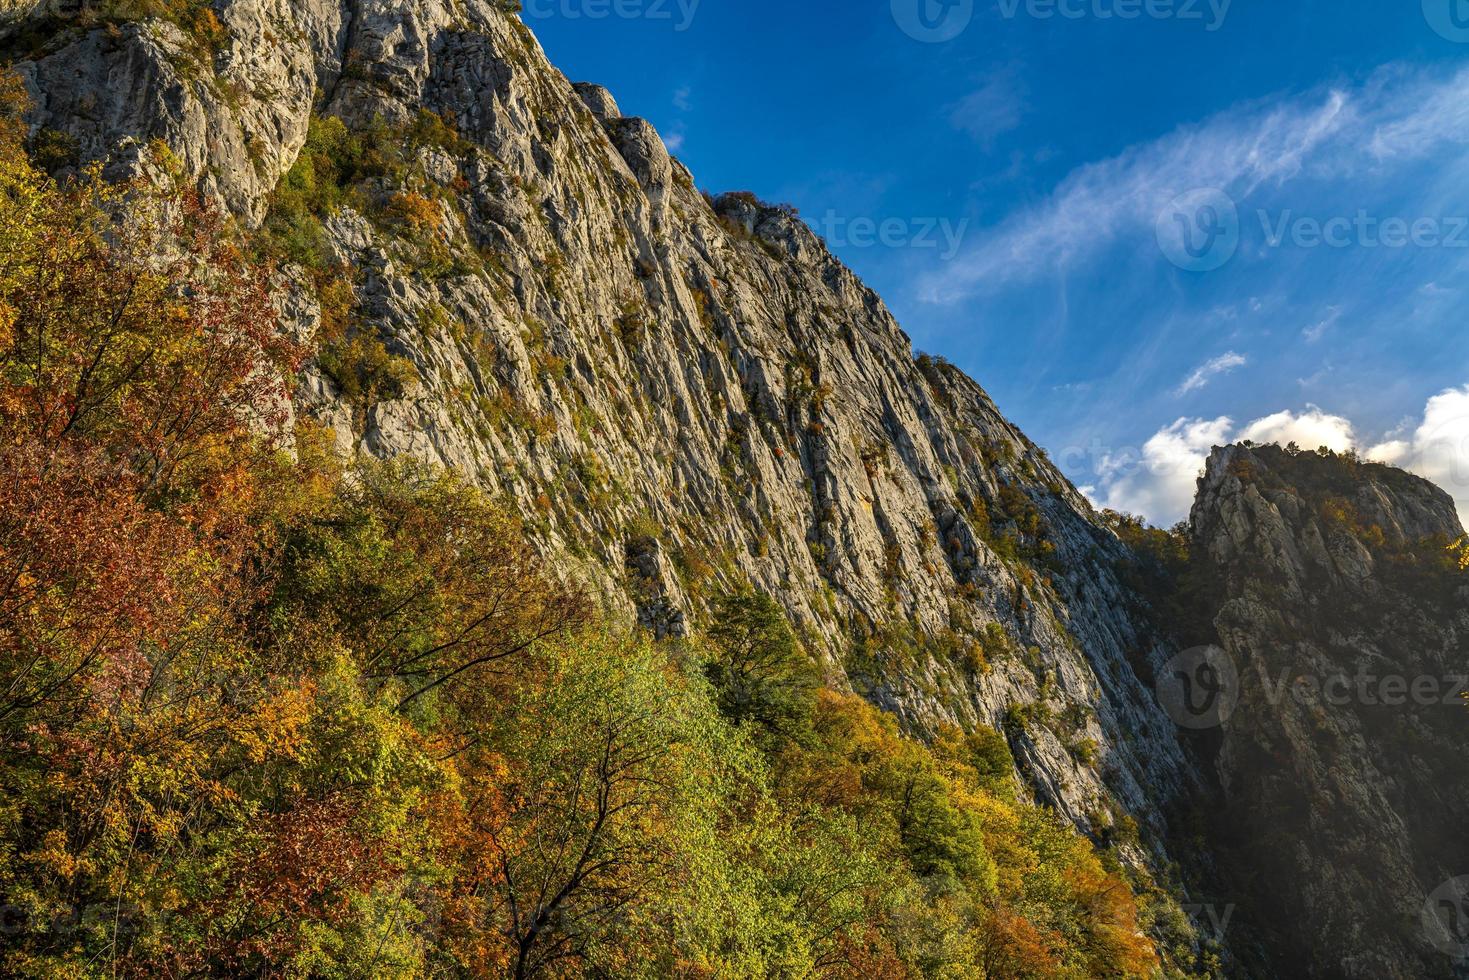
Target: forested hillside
[(265, 710)]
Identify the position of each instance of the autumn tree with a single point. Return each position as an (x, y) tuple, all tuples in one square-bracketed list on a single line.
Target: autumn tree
[(270, 711), (606, 764), (141, 371), (424, 578)]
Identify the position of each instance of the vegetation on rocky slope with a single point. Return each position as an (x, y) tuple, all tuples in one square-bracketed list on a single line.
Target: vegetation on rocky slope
[(265, 711), (280, 712)]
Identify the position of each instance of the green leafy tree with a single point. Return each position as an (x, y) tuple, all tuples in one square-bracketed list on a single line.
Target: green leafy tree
[(428, 582), (759, 672), (614, 779), (276, 713)]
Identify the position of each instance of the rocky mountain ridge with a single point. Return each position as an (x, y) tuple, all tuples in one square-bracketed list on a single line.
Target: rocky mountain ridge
[(1338, 762), (681, 393)]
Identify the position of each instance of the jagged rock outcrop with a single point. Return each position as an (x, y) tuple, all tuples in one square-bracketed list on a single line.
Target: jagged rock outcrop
[(230, 97), (1340, 765)]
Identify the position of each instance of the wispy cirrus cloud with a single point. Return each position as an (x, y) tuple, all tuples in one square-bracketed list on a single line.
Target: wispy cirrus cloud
[(1391, 120), (1312, 317), (994, 108), (1210, 370), (1322, 327)]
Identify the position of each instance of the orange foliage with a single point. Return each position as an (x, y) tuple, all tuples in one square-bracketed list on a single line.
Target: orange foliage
[(113, 393), (1015, 947), (416, 211)]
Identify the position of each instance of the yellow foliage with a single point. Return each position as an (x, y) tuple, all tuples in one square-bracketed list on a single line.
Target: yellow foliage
[(276, 729), (208, 28), (55, 855), (416, 211), (334, 726), (165, 158), (14, 103)]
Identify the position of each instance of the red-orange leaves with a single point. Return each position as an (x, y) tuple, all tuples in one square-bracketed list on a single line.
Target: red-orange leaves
[(149, 337), (85, 578)]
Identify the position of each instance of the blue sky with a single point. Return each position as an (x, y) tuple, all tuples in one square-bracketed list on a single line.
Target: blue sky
[(1145, 234)]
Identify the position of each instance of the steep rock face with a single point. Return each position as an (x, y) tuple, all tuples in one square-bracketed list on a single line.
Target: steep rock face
[(1341, 764), (229, 97), (680, 393)]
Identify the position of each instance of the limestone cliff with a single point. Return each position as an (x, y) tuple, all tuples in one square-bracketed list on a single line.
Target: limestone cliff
[(1339, 760), (682, 393)]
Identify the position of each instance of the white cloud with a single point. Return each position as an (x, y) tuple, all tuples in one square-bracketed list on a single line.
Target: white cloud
[(1210, 370), (1312, 429), (1395, 118), (1438, 449), (994, 108), (1394, 452), (1160, 481), (683, 98)]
